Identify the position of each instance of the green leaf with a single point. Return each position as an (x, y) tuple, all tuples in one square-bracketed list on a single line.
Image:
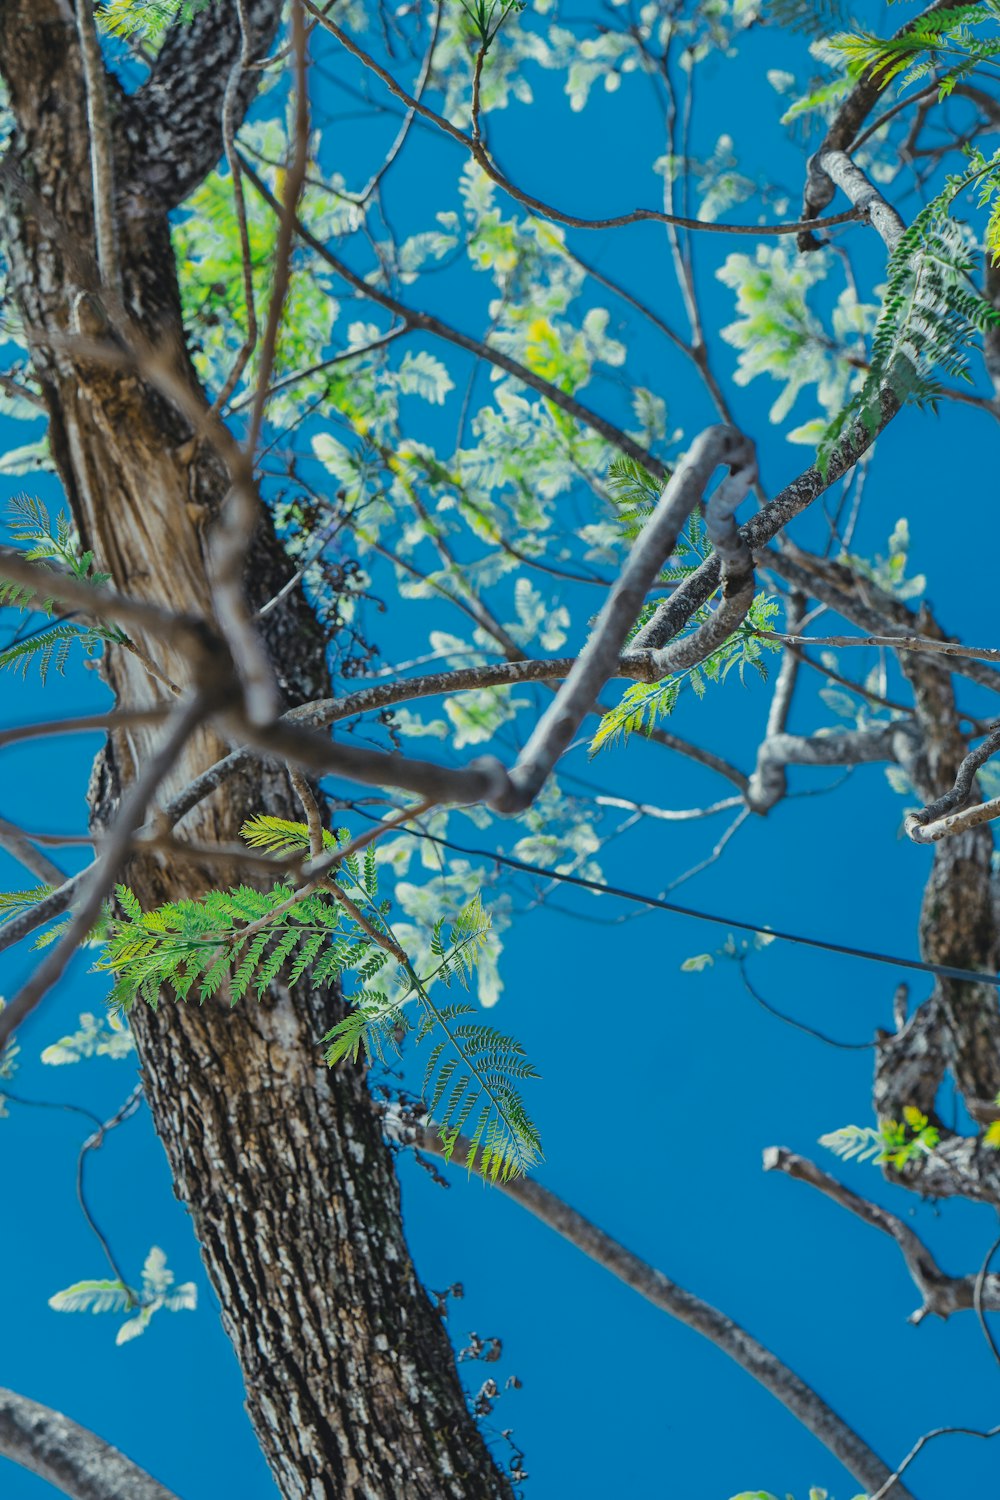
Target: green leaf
[(94, 1297)]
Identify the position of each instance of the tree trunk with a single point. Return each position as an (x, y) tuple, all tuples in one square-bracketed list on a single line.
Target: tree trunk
[(350, 1379)]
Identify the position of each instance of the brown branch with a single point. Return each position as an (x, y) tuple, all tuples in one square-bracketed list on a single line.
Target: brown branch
[(101, 603), (122, 718), (426, 322), (923, 643), (229, 111), (474, 145), (15, 842), (865, 605), (99, 878), (101, 146)]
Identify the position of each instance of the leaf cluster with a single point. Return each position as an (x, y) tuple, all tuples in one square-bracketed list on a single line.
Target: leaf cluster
[(157, 1293), (892, 1142), (931, 312), (231, 942), (924, 48), (52, 541), (644, 704)]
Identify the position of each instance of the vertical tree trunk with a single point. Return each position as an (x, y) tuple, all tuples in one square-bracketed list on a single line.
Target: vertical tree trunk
[(350, 1379)]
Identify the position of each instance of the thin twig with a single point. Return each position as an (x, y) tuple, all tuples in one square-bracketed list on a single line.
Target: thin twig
[(239, 205), (545, 210), (891, 1484), (98, 879)]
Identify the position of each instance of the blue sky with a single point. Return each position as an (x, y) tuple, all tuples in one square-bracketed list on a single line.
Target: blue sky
[(660, 1089)]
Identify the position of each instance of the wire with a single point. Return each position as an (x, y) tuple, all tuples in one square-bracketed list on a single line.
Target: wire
[(940, 971)]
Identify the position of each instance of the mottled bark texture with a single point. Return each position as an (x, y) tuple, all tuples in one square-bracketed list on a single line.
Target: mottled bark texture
[(956, 1030), (350, 1379), (68, 1456)]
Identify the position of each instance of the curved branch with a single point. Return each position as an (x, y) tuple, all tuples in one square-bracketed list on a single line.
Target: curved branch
[(853, 747), (942, 1294), (842, 130), (69, 1456), (932, 822), (476, 148)]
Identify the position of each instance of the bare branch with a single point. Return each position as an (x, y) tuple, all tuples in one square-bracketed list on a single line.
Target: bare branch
[(799, 1398), (17, 844), (68, 1456), (869, 202), (891, 1485), (122, 718), (942, 1294), (229, 110), (923, 643), (98, 879), (867, 606), (852, 747), (655, 543), (476, 148), (932, 823)]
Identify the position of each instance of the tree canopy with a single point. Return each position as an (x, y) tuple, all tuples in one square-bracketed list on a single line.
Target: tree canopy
[(650, 353)]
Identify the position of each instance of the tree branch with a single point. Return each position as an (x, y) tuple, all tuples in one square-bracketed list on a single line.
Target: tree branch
[(794, 1394), (942, 1294), (173, 123), (68, 1456), (477, 149)]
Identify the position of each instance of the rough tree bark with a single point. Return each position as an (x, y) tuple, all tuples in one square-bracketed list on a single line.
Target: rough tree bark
[(350, 1379)]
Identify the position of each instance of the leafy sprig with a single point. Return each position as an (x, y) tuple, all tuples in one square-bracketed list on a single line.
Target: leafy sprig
[(54, 541), (157, 1293), (931, 311), (893, 1142), (232, 942), (644, 704)]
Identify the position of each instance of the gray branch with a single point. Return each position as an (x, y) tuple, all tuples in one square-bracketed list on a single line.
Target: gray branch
[(852, 747), (17, 844), (843, 128), (598, 660), (793, 1392), (840, 169), (942, 1294), (69, 1456), (946, 814)]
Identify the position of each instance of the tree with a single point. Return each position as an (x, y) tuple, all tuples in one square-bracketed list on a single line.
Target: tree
[(244, 478)]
